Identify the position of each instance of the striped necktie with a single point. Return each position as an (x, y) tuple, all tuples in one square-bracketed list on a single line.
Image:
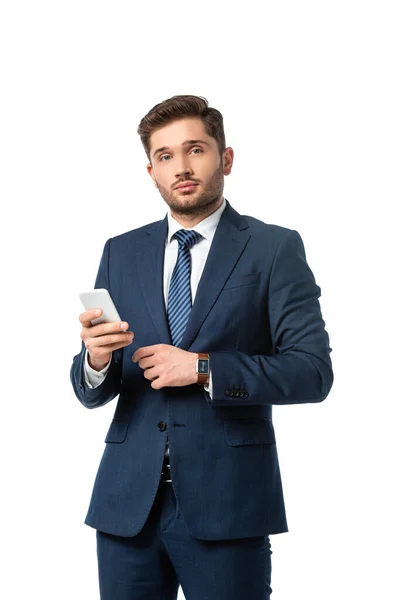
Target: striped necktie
[(179, 294)]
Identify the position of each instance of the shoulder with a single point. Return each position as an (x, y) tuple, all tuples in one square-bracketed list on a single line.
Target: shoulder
[(272, 235), (135, 235), (255, 227), (259, 227)]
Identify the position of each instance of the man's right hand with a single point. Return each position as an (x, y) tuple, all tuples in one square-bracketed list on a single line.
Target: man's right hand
[(101, 340)]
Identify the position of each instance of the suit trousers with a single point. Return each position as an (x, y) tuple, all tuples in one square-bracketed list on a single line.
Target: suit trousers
[(164, 555)]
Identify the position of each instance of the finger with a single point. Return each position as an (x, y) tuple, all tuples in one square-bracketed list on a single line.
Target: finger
[(151, 374), (143, 352), (101, 328), (99, 352), (97, 331), (147, 363), (113, 338), (107, 328), (86, 317), (110, 339)]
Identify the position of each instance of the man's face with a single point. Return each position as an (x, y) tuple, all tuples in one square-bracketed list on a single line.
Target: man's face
[(183, 152)]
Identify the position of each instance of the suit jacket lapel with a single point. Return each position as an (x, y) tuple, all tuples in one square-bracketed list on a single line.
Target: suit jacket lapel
[(150, 256), (230, 239)]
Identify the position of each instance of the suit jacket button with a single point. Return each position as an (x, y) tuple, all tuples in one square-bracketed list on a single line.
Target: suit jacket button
[(242, 394), (246, 395), (227, 392), (162, 426), (231, 393), (237, 393)]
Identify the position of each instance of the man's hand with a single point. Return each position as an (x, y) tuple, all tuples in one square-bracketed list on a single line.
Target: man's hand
[(167, 365), (100, 340)]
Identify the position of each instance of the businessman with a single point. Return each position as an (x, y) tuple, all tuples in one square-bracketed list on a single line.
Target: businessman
[(221, 321)]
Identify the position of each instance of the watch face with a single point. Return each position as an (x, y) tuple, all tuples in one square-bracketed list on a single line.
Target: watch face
[(202, 366)]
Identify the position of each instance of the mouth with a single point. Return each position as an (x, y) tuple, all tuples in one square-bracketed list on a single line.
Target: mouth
[(186, 187)]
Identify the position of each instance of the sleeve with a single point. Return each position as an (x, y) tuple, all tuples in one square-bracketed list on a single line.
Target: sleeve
[(110, 387), (94, 378), (299, 369)]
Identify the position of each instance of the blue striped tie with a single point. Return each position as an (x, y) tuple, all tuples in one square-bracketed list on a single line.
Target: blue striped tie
[(179, 294)]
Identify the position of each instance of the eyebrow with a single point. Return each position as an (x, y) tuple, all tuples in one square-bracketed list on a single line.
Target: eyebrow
[(185, 143)]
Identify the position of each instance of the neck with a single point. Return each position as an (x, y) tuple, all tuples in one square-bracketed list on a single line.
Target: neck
[(190, 221)]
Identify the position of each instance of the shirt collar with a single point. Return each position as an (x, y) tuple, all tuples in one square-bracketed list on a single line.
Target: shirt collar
[(206, 228)]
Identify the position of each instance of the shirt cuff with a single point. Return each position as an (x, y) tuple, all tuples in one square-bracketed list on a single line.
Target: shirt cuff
[(208, 387), (94, 378)]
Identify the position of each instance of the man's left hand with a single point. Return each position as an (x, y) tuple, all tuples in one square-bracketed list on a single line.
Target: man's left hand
[(167, 365)]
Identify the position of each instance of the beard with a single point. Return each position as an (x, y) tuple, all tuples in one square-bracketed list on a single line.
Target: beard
[(209, 197)]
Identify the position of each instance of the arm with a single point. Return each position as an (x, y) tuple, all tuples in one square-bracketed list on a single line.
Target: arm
[(299, 369), (94, 378), (110, 387)]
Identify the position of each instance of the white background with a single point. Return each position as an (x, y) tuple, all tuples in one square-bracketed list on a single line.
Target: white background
[(310, 96)]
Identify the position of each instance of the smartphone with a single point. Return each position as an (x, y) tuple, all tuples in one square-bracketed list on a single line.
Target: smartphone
[(100, 298)]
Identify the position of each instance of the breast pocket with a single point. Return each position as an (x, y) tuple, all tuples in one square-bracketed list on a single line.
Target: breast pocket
[(117, 431), (243, 432), (237, 281)]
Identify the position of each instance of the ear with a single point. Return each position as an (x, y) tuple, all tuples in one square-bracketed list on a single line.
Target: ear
[(150, 172), (227, 160)]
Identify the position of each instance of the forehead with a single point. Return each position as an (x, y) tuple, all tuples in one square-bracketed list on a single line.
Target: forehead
[(177, 132)]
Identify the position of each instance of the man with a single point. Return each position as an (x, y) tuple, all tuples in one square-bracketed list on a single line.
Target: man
[(225, 323)]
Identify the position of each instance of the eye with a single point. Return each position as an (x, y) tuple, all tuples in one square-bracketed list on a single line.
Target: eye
[(161, 159)]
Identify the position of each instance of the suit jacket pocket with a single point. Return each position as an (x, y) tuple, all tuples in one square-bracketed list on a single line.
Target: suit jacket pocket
[(237, 281), (241, 432), (117, 431)]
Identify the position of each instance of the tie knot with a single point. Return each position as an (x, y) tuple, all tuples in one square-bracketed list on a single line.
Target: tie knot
[(187, 237)]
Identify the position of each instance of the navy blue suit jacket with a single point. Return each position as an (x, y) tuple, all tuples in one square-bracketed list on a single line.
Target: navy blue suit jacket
[(257, 314)]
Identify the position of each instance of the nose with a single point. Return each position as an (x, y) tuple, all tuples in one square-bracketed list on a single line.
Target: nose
[(184, 169)]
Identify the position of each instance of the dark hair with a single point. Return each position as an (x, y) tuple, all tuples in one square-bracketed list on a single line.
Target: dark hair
[(180, 107)]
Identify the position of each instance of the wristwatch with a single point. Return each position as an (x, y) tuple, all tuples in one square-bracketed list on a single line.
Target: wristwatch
[(202, 368)]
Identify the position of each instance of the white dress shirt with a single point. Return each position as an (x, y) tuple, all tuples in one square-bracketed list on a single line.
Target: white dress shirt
[(199, 253)]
